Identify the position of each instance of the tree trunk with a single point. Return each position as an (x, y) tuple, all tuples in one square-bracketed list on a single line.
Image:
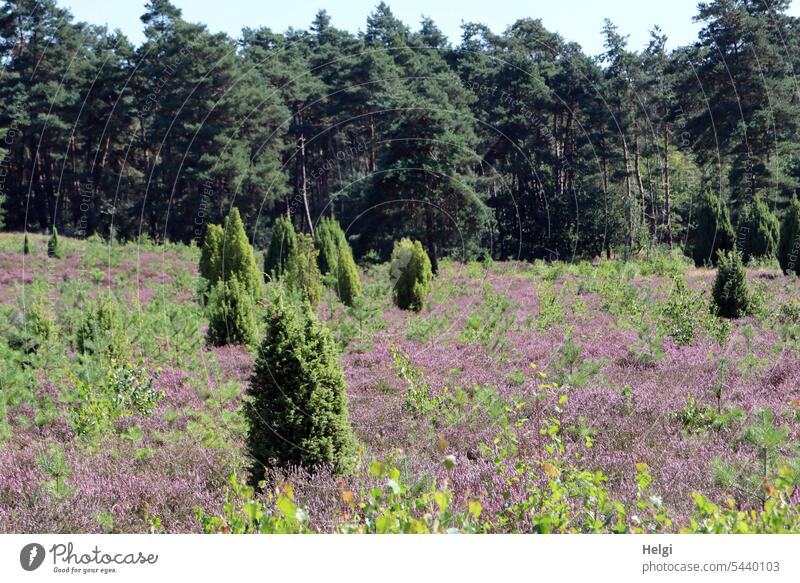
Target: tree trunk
[(667, 208), (304, 183), (626, 156)]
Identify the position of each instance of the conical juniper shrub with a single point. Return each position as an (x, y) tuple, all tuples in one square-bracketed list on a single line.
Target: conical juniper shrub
[(731, 295), (231, 314), (329, 240), (411, 274), (282, 246), (26, 246), (53, 246), (714, 230), (302, 275), (348, 285), (210, 255), (297, 408), (759, 231), (789, 247), (237, 257)]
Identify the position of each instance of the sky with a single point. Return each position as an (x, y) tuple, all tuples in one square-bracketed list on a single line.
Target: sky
[(576, 20)]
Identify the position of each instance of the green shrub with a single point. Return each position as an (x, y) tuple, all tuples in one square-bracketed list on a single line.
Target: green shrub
[(210, 255), (681, 317), (101, 330), (348, 285), (238, 258), (232, 315), (297, 406), (759, 231), (329, 240), (411, 274), (302, 275), (26, 246), (714, 231), (53, 247), (282, 247), (789, 247), (731, 294)]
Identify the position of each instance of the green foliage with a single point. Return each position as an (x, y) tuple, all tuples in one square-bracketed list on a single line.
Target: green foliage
[(101, 330), (682, 313), (713, 231), (237, 257), (297, 408), (210, 255), (54, 249), (282, 247), (348, 284), (759, 231), (411, 274), (127, 389), (700, 417), (244, 513), (420, 397), (26, 246), (232, 314), (330, 240), (302, 275), (789, 247), (732, 298)]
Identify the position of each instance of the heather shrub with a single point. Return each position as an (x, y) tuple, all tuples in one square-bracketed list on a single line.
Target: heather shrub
[(714, 231), (297, 410), (211, 255), (789, 245), (759, 231), (282, 247), (411, 274), (302, 275), (237, 257), (232, 315), (730, 292), (53, 246), (348, 285), (101, 330), (329, 240)]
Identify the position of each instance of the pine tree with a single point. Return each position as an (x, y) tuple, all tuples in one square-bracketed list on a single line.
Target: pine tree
[(348, 285), (302, 274), (411, 274), (53, 246), (231, 314), (789, 248), (759, 230), (730, 292), (714, 231), (297, 409), (282, 246)]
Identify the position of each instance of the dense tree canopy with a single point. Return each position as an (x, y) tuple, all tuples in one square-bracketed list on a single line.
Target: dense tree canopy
[(512, 144)]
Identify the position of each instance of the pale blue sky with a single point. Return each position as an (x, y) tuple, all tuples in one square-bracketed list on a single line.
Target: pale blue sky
[(577, 20)]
